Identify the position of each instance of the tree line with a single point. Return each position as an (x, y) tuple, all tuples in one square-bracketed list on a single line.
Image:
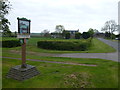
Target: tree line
[(60, 32), (109, 28)]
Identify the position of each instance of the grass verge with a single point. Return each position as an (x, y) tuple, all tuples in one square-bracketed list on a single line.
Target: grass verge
[(105, 75)]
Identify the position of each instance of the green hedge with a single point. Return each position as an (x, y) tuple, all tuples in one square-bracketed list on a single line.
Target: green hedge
[(64, 45), (11, 43)]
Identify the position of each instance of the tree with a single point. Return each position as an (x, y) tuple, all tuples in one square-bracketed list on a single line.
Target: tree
[(67, 35), (86, 35), (5, 6), (110, 26), (77, 35), (59, 28), (96, 31), (46, 33), (5, 27), (91, 32), (15, 34), (64, 33)]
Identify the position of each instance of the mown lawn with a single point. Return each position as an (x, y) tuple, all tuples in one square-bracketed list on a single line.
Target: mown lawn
[(104, 75)]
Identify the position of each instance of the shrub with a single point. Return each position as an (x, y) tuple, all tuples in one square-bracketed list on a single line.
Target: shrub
[(113, 36), (77, 35), (86, 35), (107, 35), (64, 45), (11, 43), (67, 35)]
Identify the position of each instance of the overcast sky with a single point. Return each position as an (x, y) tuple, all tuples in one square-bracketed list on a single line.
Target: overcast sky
[(72, 14)]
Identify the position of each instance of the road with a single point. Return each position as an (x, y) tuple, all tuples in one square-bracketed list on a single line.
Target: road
[(111, 43), (108, 56)]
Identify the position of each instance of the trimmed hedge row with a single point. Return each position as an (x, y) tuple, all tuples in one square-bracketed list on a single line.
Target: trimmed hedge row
[(11, 43), (64, 45)]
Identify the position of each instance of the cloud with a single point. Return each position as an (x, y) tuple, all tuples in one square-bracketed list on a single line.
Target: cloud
[(73, 14)]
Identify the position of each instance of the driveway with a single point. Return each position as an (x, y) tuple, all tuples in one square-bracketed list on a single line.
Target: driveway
[(113, 44), (108, 56)]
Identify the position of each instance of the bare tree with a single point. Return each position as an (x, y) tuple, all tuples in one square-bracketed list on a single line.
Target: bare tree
[(110, 26), (46, 33)]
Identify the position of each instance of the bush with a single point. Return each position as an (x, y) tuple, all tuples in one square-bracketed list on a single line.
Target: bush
[(107, 35), (113, 36), (64, 45), (11, 43), (86, 35), (67, 35), (77, 35)]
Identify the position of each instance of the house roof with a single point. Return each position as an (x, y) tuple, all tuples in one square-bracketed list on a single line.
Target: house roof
[(72, 30)]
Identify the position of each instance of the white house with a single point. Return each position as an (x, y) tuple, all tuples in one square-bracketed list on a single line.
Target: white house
[(72, 32)]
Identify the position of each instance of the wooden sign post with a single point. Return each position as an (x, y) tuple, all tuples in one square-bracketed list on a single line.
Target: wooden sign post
[(24, 71), (24, 54), (23, 34)]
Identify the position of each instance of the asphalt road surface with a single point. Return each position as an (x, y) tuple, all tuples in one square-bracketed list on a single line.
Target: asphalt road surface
[(113, 44), (108, 56)]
